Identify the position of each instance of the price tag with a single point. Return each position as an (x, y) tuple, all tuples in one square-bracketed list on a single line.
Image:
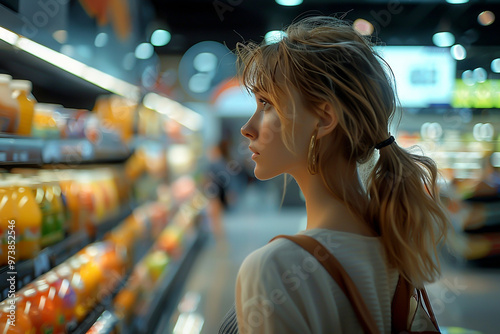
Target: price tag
[(24, 156), (41, 264), (23, 281)]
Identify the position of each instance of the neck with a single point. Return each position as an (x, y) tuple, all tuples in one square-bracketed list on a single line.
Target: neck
[(325, 210)]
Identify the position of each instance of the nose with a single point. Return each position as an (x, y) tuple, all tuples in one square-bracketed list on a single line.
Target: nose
[(248, 131)]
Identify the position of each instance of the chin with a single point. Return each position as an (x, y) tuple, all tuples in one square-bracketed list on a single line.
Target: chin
[(265, 175)]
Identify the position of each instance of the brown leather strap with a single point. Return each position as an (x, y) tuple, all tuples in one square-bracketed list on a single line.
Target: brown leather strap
[(400, 307), (335, 269), (428, 306)]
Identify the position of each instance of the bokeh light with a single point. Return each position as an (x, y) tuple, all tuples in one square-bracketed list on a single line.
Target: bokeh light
[(443, 39), (458, 52), (144, 51), (160, 37), (480, 75), (101, 40), (495, 65), (486, 18), (468, 78), (205, 62), (289, 2), (274, 36), (363, 27)]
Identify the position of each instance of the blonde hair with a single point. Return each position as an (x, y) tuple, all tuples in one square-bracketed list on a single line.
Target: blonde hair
[(323, 59)]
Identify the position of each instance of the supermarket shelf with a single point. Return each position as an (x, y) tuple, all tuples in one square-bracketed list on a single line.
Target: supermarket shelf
[(109, 224), (103, 310), (22, 151), (100, 312), (26, 271), (167, 293)]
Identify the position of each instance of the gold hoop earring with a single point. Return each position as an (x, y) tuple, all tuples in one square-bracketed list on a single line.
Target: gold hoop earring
[(312, 155)]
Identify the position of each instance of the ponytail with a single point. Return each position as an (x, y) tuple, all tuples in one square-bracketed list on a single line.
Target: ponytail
[(405, 207)]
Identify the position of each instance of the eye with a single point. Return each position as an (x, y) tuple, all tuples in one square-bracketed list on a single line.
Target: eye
[(264, 103)]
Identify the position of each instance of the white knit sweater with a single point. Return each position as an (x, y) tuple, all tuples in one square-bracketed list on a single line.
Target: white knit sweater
[(281, 288)]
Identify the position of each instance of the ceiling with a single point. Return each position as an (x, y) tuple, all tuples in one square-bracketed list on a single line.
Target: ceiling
[(398, 22)]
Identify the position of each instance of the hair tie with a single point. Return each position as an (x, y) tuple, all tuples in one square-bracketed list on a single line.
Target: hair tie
[(385, 143)]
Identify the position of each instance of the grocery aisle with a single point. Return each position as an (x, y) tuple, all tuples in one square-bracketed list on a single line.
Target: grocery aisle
[(255, 220), (464, 296)]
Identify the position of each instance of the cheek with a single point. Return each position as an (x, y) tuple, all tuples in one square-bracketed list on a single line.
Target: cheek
[(271, 130)]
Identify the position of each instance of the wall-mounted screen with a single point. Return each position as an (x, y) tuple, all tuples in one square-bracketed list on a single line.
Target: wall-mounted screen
[(425, 76)]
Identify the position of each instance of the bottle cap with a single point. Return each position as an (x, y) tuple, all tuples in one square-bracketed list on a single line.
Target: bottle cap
[(5, 79), (24, 85)]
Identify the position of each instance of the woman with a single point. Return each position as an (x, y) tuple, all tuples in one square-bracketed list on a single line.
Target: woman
[(324, 104)]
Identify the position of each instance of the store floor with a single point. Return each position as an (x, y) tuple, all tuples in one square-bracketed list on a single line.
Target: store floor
[(464, 296)]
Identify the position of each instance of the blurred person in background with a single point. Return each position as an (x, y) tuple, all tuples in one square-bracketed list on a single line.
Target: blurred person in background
[(217, 182), (324, 103)]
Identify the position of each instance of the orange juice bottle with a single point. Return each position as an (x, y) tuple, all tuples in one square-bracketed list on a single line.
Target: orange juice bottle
[(9, 229), (44, 122), (87, 202), (81, 307), (92, 277), (21, 91), (9, 108), (29, 221), (21, 325), (99, 197), (49, 317), (50, 232), (69, 195), (53, 190)]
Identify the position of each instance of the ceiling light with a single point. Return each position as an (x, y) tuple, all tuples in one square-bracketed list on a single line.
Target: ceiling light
[(456, 2), (363, 27), (486, 18), (495, 65), (160, 37), (77, 68), (8, 36), (289, 2), (144, 51), (458, 52), (274, 36), (101, 40), (443, 39)]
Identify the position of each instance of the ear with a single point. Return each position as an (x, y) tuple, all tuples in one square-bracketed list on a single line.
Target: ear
[(327, 120)]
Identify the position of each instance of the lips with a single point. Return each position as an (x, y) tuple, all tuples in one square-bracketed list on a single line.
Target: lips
[(253, 150)]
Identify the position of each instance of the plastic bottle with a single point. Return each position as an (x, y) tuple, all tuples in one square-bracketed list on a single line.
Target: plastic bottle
[(47, 316), (44, 121), (22, 323), (52, 231), (66, 292), (92, 277), (9, 229), (82, 306), (70, 192), (53, 192), (29, 221), (9, 108), (21, 91)]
